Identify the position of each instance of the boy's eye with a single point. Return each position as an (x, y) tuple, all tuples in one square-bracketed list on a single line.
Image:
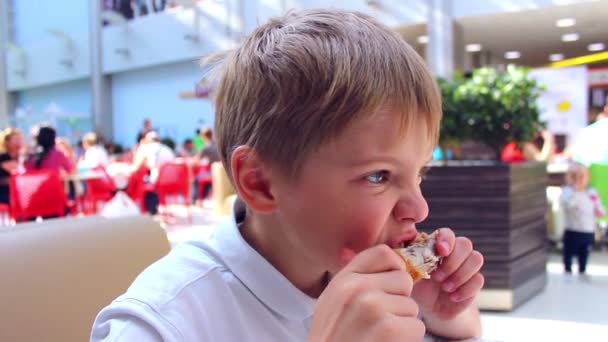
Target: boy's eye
[(378, 177)]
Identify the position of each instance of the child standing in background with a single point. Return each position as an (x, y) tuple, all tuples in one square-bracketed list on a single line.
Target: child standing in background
[(582, 206)]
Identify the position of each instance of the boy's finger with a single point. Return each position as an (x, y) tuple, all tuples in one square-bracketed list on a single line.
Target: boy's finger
[(445, 241), (380, 258), (467, 270), (398, 283), (462, 248), (469, 290)]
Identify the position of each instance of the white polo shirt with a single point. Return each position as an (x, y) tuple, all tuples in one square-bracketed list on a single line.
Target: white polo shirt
[(219, 289), (216, 289)]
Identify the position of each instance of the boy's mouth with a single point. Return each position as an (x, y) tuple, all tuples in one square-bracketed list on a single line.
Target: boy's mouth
[(404, 240)]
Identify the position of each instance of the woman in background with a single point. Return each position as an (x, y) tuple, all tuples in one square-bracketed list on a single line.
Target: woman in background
[(47, 156), (11, 141)]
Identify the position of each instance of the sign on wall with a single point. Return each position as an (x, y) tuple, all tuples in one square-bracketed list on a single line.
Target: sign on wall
[(564, 104)]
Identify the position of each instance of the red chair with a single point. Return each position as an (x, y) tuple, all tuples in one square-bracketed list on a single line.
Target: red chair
[(136, 186), (98, 190), (174, 179), (37, 193)]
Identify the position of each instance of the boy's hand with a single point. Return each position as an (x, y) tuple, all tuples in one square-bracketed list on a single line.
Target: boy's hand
[(455, 284), (368, 300)]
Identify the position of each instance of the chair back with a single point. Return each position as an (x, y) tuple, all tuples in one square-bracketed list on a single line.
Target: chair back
[(60, 273), (102, 185), (598, 179), (174, 178), (37, 193), (136, 185)]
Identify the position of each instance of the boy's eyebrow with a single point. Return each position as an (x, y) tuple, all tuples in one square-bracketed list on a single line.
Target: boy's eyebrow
[(387, 159), (361, 162)]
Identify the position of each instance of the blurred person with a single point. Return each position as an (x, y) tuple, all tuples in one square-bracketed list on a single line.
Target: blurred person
[(187, 149), (210, 151), (590, 145), (47, 155), (64, 146), (582, 206), (94, 154), (209, 154), (197, 140), (542, 148), (12, 147), (153, 154), (147, 127)]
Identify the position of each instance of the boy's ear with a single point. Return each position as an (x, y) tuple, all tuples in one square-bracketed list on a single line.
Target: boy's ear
[(251, 179)]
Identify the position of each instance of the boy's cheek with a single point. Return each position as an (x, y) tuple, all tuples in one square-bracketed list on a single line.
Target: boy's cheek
[(362, 237)]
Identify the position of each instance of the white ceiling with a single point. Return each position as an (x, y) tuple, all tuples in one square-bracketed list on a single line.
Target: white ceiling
[(532, 32)]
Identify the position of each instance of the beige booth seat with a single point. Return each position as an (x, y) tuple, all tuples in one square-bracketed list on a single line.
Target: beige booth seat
[(58, 274)]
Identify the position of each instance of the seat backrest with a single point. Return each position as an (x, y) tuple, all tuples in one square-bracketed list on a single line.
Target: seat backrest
[(104, 184), (37, 193), (58, 274), (136, 185), (174, 178), (598, 179)]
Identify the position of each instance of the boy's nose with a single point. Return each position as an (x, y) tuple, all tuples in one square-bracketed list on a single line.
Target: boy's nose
[(411, 207)]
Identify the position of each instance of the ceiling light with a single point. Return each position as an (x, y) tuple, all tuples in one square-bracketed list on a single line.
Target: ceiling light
[(565, 22), (570, 37), (512, 54), (596, 47), (473, 47), (423, 39), (554, 57)]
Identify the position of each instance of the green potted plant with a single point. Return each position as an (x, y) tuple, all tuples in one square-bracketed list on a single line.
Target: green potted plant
[(499, 106), (500, 206)]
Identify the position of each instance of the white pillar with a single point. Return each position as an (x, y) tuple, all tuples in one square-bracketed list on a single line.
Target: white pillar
[(101, 86), (440, 30), (7, 99)]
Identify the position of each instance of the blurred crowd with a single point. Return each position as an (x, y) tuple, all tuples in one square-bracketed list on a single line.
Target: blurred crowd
[(44, 150)]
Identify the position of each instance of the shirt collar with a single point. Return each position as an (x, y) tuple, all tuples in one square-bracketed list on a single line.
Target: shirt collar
[(257, 274)]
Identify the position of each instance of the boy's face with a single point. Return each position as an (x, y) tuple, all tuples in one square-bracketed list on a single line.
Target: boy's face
[(580, 177), (357, 191)]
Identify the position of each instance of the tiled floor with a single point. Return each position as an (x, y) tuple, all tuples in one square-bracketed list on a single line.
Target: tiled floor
[(571, 308)]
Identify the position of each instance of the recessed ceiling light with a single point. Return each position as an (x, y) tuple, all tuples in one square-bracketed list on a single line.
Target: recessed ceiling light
[(596, 47), (473, 47), (512, 54), (423, 39), (565, 22), (570, 37), (554, 57)]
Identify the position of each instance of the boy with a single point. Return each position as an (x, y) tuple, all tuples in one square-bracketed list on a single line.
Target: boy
[(582, 206), (324, 120)]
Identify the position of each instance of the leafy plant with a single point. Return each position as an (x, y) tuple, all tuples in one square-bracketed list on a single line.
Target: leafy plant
[(454, 128), (497, 107)]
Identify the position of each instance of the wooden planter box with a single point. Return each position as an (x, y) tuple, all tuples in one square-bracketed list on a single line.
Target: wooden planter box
[(502, 209)]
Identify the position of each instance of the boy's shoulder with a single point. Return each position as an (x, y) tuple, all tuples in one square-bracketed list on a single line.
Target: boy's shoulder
[(190, 266)]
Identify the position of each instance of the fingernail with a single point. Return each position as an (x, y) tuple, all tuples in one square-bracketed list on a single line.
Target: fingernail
[(455, 298), (439, 276), (444, 245), (448, 287)]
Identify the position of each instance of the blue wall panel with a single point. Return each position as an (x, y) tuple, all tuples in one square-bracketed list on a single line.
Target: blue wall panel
[(153, 93)]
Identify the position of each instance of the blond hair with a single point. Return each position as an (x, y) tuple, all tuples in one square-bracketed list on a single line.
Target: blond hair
[(6, 135), (90, 139), (301, 79)]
